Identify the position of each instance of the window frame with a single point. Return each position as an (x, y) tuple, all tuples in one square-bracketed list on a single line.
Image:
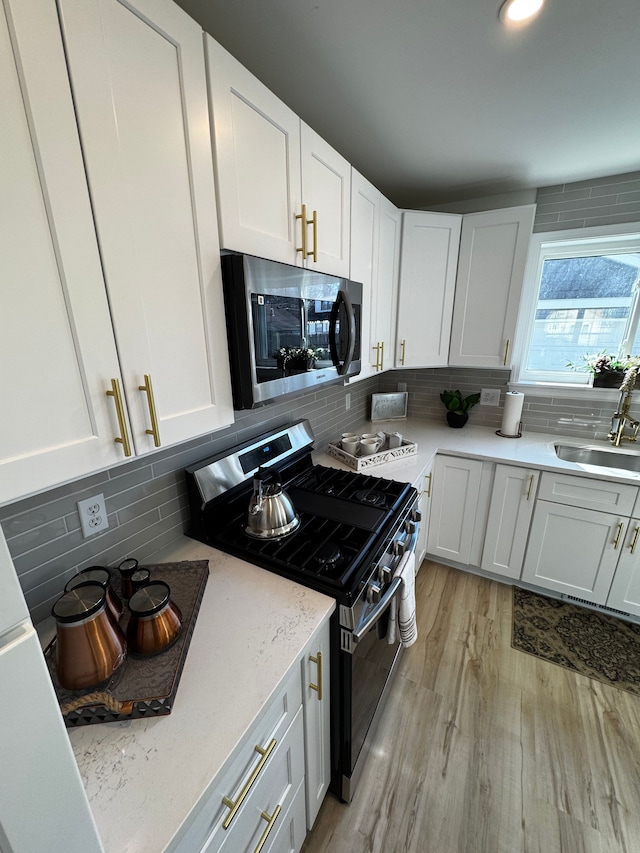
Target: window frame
[(545, 245)]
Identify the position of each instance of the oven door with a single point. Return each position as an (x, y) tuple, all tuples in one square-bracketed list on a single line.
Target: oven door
[(367, 665)]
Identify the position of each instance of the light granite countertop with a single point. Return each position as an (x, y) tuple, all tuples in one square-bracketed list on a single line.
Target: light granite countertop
[(143, 777)]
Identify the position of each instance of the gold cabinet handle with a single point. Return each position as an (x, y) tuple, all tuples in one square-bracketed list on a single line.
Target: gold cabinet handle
[(303, 217), (377, 349), (428, 478), (123, 438), (234, 806), (632, 547), (148, 388), (317, 659), (531, 479), (506, 352), (381, 355), (618, 535), (270, 824), (314, 220), (402, 346)]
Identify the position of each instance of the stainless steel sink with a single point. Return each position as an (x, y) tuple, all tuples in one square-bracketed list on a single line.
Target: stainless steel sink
[(603, 457)]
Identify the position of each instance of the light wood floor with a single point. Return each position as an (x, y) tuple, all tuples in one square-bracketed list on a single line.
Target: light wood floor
[(484, 749)]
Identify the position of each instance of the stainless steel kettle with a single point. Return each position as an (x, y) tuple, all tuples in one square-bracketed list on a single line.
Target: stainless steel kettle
[(271, 513)]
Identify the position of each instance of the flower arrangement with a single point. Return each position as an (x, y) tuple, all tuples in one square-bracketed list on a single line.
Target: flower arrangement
[(297, 357), (604, 362)]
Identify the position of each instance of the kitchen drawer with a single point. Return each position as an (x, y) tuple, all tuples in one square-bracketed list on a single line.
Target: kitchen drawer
[(584, 492), (291, 829), (272, 724), (269, 801)]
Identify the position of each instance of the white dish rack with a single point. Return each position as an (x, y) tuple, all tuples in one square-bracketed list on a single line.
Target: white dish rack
[(361, 463)]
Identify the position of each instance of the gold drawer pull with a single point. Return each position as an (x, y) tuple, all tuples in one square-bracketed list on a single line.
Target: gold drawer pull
[(402, 347), (428, 478), (506, 351), (234, 806), (154, 431), (618, 535), (123, 438), (318, 661), (632, 547), (270, 823), (381, 355)]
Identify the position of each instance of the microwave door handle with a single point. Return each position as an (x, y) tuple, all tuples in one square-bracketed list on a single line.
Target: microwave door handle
[(376, 612), (342, 297)]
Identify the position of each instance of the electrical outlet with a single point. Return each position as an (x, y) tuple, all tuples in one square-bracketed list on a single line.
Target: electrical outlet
[(490, 397), (93, 515), (347, 401)]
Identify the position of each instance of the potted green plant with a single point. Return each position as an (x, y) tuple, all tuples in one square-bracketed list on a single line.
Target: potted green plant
[(458, 407)]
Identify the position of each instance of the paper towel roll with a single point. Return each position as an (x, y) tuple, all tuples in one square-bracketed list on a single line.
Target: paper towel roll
[(512, 414)]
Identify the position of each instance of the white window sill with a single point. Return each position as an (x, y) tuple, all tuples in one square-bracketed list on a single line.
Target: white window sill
[(567, 392)]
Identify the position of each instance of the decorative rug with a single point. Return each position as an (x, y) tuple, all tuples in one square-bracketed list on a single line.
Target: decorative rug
[(590, 643)]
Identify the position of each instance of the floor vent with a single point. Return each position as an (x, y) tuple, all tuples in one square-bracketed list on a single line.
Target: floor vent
[(601, 608)]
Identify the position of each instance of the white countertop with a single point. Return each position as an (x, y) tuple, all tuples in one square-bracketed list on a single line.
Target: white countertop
[(533, 449), (143, 777)]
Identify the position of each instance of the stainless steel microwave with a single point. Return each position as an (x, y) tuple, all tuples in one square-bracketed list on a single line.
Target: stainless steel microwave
[(289, 329)]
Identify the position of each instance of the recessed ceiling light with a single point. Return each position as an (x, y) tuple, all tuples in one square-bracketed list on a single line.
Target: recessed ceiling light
[(515, 12)]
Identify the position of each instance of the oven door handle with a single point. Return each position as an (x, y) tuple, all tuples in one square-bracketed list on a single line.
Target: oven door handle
[(370, 619)]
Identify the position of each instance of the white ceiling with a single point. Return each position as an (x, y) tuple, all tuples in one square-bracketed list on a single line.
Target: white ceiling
[(435, 101)]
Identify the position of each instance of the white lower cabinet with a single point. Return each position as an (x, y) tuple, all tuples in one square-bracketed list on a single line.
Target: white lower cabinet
[(625, 589), (512, 502), (272, 786), (456, 485), (317, 744), (573, 550)]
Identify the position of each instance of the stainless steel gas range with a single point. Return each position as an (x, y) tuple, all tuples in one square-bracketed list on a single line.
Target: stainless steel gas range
[(354, 530)]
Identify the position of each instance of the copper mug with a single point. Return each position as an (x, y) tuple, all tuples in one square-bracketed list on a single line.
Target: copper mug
[(155, 620), (90, 645)]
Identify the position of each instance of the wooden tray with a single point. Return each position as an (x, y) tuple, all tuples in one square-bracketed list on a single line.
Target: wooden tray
[(142, 686)]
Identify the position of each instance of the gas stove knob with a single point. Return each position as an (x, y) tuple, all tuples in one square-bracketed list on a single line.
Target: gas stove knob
[(397, 548), (374, 592), (412, 527), (384, 574), (416, 515)]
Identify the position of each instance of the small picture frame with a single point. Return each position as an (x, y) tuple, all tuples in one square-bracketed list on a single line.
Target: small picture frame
[(389, 407)]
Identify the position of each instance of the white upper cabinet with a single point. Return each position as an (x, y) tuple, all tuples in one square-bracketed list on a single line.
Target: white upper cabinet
[(365, 236), (428, 263), (268, 165), (56, 341), (139, 83), (493, 251), (383, 326)]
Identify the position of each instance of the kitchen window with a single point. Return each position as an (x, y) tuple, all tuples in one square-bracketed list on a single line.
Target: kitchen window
[(581, 296)]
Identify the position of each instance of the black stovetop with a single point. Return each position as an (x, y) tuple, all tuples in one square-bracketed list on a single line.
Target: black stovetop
[(344, 518)]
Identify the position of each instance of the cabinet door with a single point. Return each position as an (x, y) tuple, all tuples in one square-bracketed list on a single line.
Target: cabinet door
[(57, 348), (139, 82), (512, 502), (326, 189), (427, 281), (456, 492), (493, 251), (573, 550), (385, 300), (315, 698), (625, 590), (257, 159), (365, 230), (424, 496)]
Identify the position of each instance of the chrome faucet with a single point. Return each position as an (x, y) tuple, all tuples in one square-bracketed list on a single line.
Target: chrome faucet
[(621, 417)]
